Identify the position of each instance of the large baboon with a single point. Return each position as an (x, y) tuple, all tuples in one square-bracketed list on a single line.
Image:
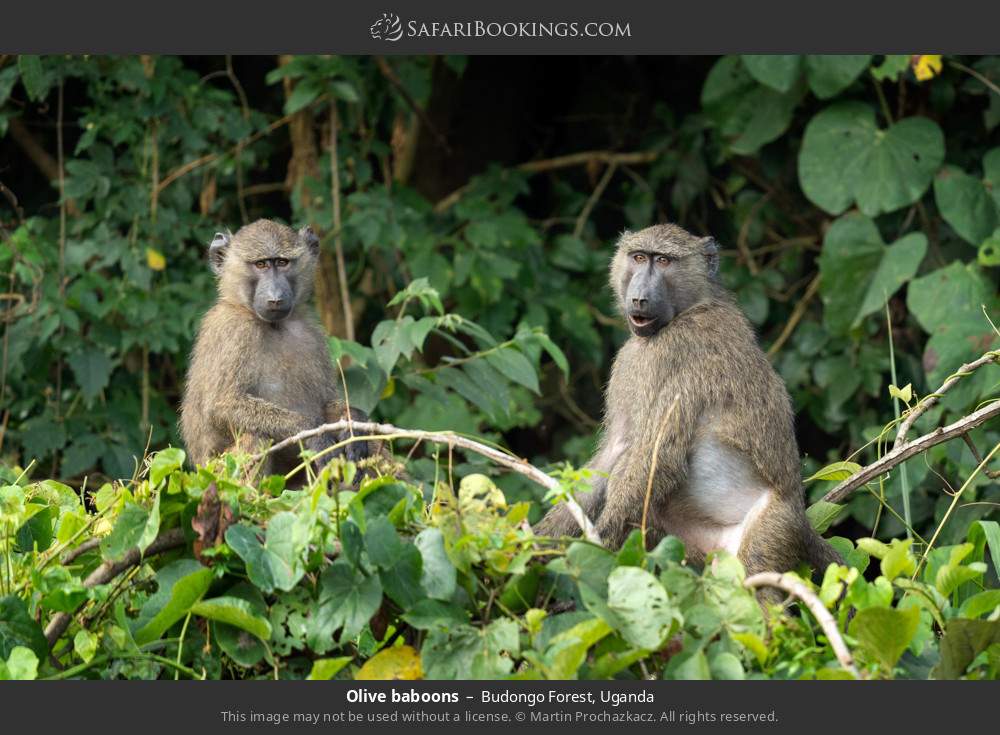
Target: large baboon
[(726, 471), (260, 370)]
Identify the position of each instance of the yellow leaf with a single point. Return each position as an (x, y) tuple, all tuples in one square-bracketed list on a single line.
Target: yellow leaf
[(390, 388), (155, 259), (926, 66), (398, 663)]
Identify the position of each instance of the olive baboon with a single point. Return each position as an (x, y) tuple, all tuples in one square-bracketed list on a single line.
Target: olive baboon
[(260, 370), (726, 473)]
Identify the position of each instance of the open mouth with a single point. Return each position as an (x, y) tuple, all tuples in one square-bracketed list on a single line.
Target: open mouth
[(639, 321)]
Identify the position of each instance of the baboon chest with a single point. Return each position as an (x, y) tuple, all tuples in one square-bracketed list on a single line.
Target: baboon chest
[(293, 377)]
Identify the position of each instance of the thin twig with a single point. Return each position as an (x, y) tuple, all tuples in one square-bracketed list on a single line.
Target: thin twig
[(653, 463), (904, 452), (338, 244), (552, 164), (793, 586), (992, 474), (741, 238), (383, 432), (110, 569), (793, 321), (592, 200), (914, 413), (977, 75)]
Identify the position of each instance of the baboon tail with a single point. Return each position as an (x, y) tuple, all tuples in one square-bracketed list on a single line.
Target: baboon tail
[(818, 552)]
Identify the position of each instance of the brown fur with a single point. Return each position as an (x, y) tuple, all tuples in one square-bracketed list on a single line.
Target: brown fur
[(707, 356), (251, 382)]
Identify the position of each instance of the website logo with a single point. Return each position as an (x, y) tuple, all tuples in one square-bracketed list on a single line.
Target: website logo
[(387, 28)]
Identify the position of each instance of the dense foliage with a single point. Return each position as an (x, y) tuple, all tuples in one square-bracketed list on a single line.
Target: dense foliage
[(475, 213)]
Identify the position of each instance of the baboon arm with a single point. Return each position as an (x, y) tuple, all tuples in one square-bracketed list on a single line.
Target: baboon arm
[(248, 414), (628, 483)]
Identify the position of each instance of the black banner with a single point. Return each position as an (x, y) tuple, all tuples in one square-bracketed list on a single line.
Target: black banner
[(510, 27), (663, 706)]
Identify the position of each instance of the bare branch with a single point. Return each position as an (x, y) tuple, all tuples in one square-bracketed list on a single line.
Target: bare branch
[(110, 569), (904, 452), (384, 432), (929, 401), (793, 586)]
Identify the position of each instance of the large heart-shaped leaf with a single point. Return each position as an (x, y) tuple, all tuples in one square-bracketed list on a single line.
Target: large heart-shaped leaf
[(966, 204), (859, 272), (847, 158), (829, 74)]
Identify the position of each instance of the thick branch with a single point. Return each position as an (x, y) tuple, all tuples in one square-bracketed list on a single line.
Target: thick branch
[(504, 459), (930, 400), (793, 586), (110, 569), (567, 161), (904, 452)]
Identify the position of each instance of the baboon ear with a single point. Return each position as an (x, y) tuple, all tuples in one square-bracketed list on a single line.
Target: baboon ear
[(217, 250), (309, 238), (711, 250)]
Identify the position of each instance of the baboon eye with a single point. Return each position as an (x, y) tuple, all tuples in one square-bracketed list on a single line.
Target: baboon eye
[(638, 258), (280, 262), (261, 265), (662, 260)]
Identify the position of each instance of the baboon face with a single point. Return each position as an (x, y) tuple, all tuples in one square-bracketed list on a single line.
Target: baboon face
[(267, 267), (659, 272)]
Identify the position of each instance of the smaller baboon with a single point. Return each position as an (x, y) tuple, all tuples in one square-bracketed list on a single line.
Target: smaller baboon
[(725, 474), (260, 370)]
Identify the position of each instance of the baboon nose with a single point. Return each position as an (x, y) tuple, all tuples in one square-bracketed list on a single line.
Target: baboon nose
[(640, 303), (275, 303)]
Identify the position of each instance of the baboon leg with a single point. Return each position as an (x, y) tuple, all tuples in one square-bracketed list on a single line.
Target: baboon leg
[(559, 522), (759, 552)]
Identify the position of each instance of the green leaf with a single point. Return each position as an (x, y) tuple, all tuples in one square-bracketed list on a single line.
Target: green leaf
[(859, 273), (891, 67), (822, 514), (846, 158), (401, 580), (22, 664), (383, 543), (36, 81), (987, 533), (126, 534), (965, 204), (747, 115), (164, 462), (438, 574), (989, 251), (236, 612), (514, 365), (980, 604), (18, 628), (324, 669), (92, 370), (947, 303), (557, 355), (964, 640), (831, 74), (836, 472), (468, 653), (345, 91), (430, 614), (85, 644), (905, 394), (884, 633), (244, 649), (347, 600), (152, 527), (181, 585), (302, 96), (639, 601), (777, 71)]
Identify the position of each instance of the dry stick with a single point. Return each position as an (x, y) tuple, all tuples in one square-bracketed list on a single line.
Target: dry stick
[(552, 164), (190, 166), (795, 587), (652, 465), (511, 462), (904, 452), (797, 313), (930, 400), (581, 221), (338, 244), (109, 570), (741, 239), (992, 474)]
